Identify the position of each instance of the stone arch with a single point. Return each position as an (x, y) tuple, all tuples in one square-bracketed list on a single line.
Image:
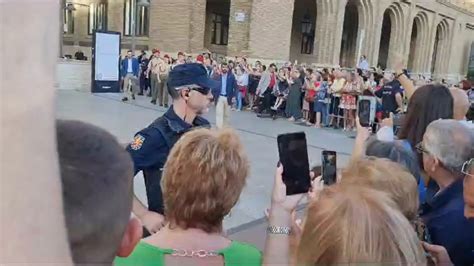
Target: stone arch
[(392, 32), (303, 46), (358, 18), (418, 40), (440, 51), (325, 35)]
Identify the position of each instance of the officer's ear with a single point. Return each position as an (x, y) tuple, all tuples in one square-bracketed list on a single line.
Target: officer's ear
[(185, 94)]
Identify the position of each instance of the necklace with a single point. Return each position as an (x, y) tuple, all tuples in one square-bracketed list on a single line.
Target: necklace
[(194, 253)]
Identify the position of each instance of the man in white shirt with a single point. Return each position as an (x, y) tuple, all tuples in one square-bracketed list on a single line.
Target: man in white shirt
[(363, 63)]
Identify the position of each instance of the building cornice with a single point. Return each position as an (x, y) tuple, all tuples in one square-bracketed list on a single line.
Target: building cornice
[(456, 7)]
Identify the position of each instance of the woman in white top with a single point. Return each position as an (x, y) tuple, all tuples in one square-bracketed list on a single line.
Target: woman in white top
[(242, 78)]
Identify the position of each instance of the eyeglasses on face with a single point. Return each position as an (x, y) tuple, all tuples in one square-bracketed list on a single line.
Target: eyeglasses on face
[(467, 167), (420, 149)]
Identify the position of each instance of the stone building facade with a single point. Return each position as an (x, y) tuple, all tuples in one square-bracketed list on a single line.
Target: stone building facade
[(433, 37)]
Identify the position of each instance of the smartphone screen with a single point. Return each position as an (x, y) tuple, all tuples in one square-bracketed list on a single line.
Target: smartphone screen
[(364, 113), (329, 168), (294, 157)]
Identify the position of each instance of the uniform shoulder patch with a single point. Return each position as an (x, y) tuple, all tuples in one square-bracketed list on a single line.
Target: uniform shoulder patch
[(137, 142)]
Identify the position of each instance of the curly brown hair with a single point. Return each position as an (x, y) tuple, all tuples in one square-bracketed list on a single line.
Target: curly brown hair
[(203, 178)]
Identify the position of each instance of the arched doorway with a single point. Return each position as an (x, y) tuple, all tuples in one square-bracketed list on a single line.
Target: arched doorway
[(417, 58), (347, 56), (413, 44), (385, 40), (303, 31), (439, 50)]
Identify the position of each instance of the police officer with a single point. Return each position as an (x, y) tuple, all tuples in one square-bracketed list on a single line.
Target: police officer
[(190, 88)]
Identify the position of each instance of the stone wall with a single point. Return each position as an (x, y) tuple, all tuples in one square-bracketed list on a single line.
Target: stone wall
[(73, 75), (239, 31), (271, 31)]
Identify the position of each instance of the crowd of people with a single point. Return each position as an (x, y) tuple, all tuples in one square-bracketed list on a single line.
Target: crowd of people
[(406, 197), (302, 94)]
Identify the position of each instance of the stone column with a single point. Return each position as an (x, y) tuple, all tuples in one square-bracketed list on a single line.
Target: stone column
[(365, 30), (270, 29), (374, 59), (81, 16), (455, 55), (239, 31), (423, 43), (115, 16), (376, 32), (197, 26), (334, 32), (430, 43), (448, 52)]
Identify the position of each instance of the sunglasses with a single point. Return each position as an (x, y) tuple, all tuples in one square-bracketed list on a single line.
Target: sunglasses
[(202, 90), (467, 166)]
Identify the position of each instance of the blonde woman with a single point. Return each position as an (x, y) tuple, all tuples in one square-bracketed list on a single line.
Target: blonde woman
[(386, 176), (197, 195), (355, 224), (344, 224)]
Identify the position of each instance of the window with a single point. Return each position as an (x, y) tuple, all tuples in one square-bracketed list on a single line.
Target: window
[(143, 19), (68, 21), (97, 17), (220, 29)]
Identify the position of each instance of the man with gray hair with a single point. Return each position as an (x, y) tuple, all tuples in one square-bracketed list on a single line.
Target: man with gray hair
[(446, 146)]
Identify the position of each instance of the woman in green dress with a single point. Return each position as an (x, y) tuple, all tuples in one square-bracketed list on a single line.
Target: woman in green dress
[(202, 180)]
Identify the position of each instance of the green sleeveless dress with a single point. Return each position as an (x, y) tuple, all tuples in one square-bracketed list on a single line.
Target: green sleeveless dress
[(234, 255)]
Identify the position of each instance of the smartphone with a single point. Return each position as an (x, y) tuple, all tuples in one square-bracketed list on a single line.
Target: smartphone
[(293, 152), (329, 167), (364, 113)]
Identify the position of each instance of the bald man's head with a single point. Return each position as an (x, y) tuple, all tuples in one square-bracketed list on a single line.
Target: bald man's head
[(460, 103)]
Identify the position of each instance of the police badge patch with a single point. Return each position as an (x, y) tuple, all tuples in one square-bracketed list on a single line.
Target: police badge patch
[(137, 142)]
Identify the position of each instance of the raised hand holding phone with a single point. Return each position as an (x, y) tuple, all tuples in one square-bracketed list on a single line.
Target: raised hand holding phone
[(280, 196), (293, 153), (363, 112)]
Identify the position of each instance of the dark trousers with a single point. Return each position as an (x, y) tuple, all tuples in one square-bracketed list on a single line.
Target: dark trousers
[(336, 112), (268, 100), (311, 113), (144, 83)]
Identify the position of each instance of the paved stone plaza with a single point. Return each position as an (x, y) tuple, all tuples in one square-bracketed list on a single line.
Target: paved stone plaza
[(259, 137)]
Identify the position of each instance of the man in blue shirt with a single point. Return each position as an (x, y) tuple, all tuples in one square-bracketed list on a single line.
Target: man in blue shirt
[(190, 88), (129, 70), (226, 95), (446, 146)]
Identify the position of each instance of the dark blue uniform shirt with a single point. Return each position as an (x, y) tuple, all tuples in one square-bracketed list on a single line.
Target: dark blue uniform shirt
[(443, 215), (150, 149)]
